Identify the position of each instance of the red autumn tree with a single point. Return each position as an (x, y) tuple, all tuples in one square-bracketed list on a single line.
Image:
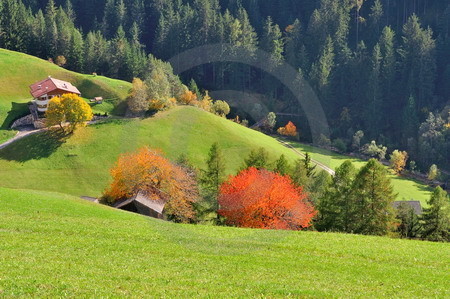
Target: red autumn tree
[(289, 130), (148, 171), (264, 199)]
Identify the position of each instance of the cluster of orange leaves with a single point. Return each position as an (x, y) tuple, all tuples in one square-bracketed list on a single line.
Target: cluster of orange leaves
[(149, 172), (188, 98), (289, 130), (264, 199)]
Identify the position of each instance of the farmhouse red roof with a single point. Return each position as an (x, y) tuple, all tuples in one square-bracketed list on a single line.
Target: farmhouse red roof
[(50, 84)]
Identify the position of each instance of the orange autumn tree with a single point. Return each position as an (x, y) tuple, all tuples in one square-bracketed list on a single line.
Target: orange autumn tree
[(289, 130), (188, 98), (264, 199), (149, 172)]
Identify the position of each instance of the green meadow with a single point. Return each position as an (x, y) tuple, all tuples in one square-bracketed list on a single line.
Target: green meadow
[(19, 71), (56, 245)]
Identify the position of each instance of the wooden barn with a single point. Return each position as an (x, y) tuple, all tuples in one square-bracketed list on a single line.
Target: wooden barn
[(141, 204)]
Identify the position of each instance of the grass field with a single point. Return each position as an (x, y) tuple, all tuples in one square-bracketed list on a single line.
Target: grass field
[(407, 189), (19, 71), (55, 245), (80, 164)]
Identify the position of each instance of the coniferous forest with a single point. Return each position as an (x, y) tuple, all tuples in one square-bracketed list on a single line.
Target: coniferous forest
[(381, 68)]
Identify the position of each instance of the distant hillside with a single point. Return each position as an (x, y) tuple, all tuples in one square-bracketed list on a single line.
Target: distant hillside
[(18, 71), (80, 165), (54, 245)]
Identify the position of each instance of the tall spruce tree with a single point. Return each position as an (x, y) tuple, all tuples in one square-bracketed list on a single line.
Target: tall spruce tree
[(337, 206), (213, 176), (374, 196), (436, 218)]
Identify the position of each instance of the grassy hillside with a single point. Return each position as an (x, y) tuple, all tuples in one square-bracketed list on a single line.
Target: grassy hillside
[(79, 165), (407, 189), (19, 71), (55, 245)]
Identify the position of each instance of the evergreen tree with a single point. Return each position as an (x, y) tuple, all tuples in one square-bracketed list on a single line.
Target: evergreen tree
[(76, 51), (337, 206), (387, 49), (51, 29), (418, 55), (272, 41), (299, 174), (13, 25), (308, 166), (374, 106), (374, 196), (321, 70), (409, 225), (213, 176), (436, 218), (257, 158), (282, 165)]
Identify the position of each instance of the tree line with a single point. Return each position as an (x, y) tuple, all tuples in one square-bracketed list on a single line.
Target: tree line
[(277, 195), (378, 66)]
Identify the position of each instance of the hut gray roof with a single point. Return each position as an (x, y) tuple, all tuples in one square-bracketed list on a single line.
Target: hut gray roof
[(414, 204)]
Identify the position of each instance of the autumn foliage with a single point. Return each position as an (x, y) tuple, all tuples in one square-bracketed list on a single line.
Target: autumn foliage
[(289, 130), (68, 108), (263, 199), (149, 172), (188, 98)]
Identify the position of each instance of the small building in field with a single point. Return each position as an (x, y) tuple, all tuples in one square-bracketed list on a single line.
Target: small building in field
[(43, 91), (413, 204), (143, 205)]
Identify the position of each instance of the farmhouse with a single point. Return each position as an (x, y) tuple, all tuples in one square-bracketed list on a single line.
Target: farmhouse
[(43, 91)]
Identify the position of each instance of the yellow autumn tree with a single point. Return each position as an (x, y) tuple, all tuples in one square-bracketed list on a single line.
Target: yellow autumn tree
[(69, 108), (398, 161), (188, 98)]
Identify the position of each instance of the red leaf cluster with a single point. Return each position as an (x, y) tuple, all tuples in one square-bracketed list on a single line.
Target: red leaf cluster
[(264, 199)]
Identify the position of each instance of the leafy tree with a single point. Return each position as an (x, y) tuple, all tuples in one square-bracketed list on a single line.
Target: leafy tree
[(289, 130), (356, 142), (337, 209), (148, 172), (221, 108), (436, 218), (398, 161), (138, 99), (433, 172), (258, 158), (188, 97), (263, 199), (68, 108), (282, 165), (374, 196), (373, 150), (270, 122)]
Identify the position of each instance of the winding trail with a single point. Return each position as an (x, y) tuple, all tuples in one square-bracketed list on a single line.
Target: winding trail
[(321, 165), (20, 135)]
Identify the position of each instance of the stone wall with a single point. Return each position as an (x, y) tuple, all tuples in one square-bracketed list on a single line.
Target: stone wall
[(23, 121)]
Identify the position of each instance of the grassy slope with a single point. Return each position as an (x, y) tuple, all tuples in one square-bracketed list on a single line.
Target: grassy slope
[(19, 71), (55, 245), (407, 189), (80, 166)]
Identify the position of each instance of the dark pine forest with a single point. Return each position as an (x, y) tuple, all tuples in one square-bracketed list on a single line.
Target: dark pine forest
[(378, 66)]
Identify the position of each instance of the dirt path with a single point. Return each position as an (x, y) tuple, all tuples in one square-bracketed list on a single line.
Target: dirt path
[(20, 135), (321, 165)]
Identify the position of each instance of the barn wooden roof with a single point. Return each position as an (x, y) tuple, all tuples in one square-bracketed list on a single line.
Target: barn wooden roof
[(50, 84), (414, 204)]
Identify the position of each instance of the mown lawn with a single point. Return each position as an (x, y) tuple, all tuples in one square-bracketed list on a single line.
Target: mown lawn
[(407, 189), (19, 71), (56, 245)]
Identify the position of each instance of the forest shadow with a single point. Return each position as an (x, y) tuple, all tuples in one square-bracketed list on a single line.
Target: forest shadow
[(34, 147)]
